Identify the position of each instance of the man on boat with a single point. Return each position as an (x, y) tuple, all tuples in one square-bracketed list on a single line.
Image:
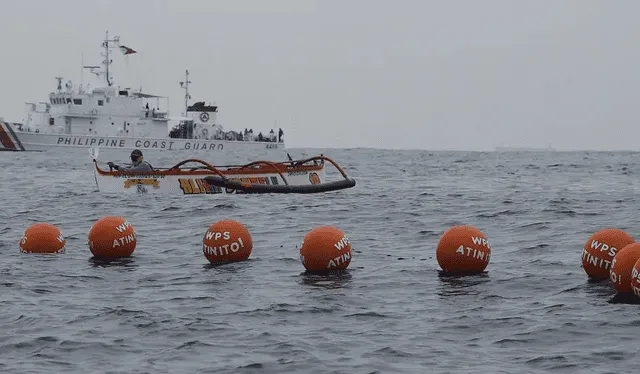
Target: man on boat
[(137, 163)]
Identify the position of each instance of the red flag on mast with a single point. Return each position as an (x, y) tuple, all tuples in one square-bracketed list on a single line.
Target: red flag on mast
[(126, 50)]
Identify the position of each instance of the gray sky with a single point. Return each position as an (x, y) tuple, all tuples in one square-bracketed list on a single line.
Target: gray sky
[(356, 73)]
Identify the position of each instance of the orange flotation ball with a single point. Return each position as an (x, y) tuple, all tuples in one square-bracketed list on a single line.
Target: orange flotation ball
[(112, 237), (600, 249), (635, 278), (622, 267), (325, 248), (227, 241), (42, 238), (463, 249)]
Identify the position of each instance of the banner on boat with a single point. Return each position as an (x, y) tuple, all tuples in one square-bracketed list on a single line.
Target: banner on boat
[(197, 186), (194, 185), (145, 181)]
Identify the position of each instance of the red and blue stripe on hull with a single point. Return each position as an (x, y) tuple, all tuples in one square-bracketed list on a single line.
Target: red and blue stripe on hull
[(8, 139)]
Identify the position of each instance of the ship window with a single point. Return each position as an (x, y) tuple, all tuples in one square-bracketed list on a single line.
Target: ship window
[(68, 100), (100, 102), (77, 101), (51, 121)]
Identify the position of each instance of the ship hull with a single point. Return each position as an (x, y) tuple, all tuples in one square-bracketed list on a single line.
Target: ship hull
[(13, 140)]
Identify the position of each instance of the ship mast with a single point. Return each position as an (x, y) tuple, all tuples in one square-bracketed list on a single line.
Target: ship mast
[(185, 85), (107, 58)]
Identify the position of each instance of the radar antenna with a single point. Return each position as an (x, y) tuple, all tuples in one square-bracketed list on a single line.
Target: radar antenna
[(107, 44)]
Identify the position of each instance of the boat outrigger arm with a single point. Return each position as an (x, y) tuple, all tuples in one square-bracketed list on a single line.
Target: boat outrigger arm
[(220, 180)]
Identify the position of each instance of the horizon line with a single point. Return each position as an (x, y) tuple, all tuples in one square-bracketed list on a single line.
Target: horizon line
[(509, 150)]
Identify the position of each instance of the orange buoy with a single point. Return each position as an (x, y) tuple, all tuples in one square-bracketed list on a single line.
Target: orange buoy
[(600, 249), (227, 241), (325, 248), (622, 267), (635, 278), (112, 237), (42, 238), (463, 249)]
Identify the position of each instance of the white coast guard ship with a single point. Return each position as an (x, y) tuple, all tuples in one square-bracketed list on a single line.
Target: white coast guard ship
[(125, 118)]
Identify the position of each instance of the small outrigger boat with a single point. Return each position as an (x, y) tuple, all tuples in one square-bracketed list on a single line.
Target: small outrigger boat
[(293, 176)]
